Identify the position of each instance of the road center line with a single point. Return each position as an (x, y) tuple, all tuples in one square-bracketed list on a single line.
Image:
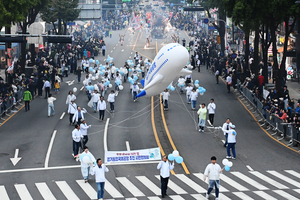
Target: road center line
[(81, 88), (49, 149), (127, 146), (62, 115), (105, 135)]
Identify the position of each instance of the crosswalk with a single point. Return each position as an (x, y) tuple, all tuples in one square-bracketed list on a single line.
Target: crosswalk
[(252, 185)]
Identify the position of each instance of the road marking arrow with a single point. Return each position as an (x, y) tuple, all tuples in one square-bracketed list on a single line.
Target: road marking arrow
[(70, 82), (15, 160)]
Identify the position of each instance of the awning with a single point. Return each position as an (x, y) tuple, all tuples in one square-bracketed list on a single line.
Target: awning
[(80, 23)]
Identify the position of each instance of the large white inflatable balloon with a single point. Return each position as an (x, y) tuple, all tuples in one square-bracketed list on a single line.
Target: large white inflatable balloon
[(93, 78), (121, 87), (167, 65), (74, 89)]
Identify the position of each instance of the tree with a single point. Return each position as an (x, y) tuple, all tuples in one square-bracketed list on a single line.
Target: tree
[(62, 12)]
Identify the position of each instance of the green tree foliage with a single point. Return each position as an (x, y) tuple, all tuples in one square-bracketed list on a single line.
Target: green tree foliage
[(62, 12)]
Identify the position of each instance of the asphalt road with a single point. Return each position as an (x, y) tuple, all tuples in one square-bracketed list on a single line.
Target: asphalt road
[(31, 132)]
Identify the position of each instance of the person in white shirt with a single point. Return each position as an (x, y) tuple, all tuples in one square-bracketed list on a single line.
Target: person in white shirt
[(103, 49), (85, 167), (212, 171), (50, 101), (70, 97), (76, 135), (164, 166), (117, 78), (71, 110), (95, 99), (83, 128), (99, 171), (47, 87), (229, 82), (135, 90), (78, 115), (231, 142), (211, 111), (102, 88), (181, 81), (136, 58), (193, 98), (188, 89), (101, 107), (165, 98), (226, 126), (111, 99)]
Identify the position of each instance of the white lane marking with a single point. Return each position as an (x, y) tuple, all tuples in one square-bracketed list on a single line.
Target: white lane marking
[(285, 178), (114, 47), (111, 51), (176, 197), (285, 195), (149, 184), (81, 88), (223, 141), (129, 57), (62, 115), (264, 195), (127, 146), (297, 190), (200, 176), (250, 168), (66, 190), (268, 180), (198, 196), (131, 52), (3, 193), (242, 195), (122, 50), (49, 149), (173, 186), (131, 199), (104, 60), (233, 183), (223, 197), (249, 181), (110, 189), (108, 55), (87, 188), (45, 191), (105, 135), (292, 172), (154, 198), (70, 82), (15, 159), (190, 183), (23, 192), (130, 187)]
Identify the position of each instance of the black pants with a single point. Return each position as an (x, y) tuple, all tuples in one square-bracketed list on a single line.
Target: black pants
[(71, 118), (164, 185), (47, 92), (101, 114), (79, 121), (217, 79), (211, 118), (103, 52), (85, 139), (27, 105), (228, 88)]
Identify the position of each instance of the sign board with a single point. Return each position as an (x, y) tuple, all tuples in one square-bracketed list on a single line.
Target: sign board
[(205, 21), (132, 156), (233, 56)]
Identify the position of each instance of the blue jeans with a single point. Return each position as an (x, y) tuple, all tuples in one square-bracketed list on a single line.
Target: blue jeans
[(112, 106), (134, 95), (76, 146), (116, 87), (226, 142), (188, 98), (103, 93), (100, 190), (51, 109), (232, 147), (212, 184), (88, 172), (79, 77), (95, 106), (164, 185), (194, 102)]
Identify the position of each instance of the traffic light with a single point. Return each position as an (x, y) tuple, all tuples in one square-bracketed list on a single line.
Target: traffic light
[(218, 39)]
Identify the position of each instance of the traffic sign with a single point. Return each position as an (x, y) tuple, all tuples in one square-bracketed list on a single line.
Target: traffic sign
[(205, 21), (233, 56)]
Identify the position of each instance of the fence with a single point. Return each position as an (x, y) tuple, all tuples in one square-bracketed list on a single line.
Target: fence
[(11, 103), (285, 130)]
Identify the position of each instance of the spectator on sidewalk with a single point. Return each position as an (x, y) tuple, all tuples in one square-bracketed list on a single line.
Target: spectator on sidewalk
[(27, 97)]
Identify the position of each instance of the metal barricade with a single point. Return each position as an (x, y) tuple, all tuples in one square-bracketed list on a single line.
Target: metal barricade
[(11, 102)]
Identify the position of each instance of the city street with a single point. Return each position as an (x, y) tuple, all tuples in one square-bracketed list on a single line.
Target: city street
[(264, 169)]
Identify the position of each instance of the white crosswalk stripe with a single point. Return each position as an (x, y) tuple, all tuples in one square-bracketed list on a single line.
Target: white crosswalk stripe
[(200, 176), (233, 183), (297, 190), (268, 180), (66, 190), (176, 197), (23, 192), (88, 189), (285, 195), (284, 178), (198, 196), (153, 198), (3, 193), (173, 186), (249, 181), (112, 190), (242, 195), (45, 191), (149, 184), (264, 195), (292, 172), (130, 187), (190, 183)]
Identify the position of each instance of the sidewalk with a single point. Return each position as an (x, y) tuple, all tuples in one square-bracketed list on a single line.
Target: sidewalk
[(293, 88)]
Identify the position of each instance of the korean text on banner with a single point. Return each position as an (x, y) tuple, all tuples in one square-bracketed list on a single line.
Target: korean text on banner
[(133, 156)]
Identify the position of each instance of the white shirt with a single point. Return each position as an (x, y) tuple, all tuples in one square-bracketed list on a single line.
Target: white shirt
[(84, 128), (165, 95), (165, 168), (72, 108), (111, 97), (99, 173), (193, 96), (188, 89), (70, 97), (47, 84), (212, 171), (228, 79), (226, 127), (95, 97), (101, 105), (135, 88), (76, 135), (231, 135), (50, 100), (211, 108)]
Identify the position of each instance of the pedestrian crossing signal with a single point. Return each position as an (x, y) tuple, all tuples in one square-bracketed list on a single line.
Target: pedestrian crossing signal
[(218, 39)]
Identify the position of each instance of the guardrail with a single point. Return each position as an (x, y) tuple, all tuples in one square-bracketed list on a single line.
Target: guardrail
[(285, 130), (12, 103)]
